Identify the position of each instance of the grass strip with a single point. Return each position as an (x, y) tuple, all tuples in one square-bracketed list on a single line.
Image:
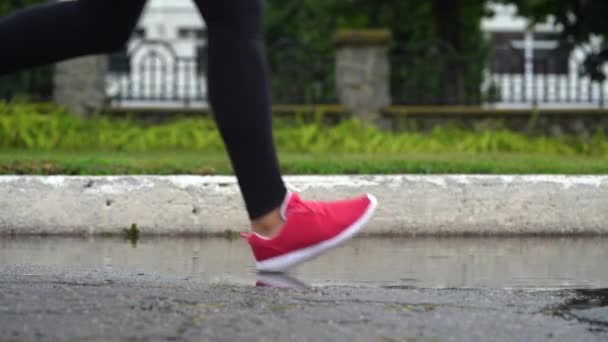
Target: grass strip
[(193, 162), (23, 127)]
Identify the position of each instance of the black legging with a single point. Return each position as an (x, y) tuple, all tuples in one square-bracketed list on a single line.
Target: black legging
[(238, 82)]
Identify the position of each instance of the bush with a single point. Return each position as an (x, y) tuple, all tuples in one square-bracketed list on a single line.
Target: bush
[(34, 84), (23, 126)]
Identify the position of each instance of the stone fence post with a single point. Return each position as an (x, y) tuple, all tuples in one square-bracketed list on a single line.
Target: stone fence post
[(363, 73), (79, 84)]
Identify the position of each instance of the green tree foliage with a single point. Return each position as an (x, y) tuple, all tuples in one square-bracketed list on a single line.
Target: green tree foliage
[(580, 19), (437, 52), (33, 84), (457, 25), (300, 49), (8, 6)]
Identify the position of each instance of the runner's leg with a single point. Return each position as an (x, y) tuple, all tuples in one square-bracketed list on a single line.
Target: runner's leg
[(53, 32), (238, 81), (240, 98)]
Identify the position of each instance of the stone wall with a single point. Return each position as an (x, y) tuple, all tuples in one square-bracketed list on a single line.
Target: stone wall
[(363, 72), (553, 122), (80, 84)]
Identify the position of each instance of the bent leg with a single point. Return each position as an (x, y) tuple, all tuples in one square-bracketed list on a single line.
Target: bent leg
[(50, 33)]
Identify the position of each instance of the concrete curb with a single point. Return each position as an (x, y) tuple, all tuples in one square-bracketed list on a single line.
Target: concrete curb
[(408, 204)]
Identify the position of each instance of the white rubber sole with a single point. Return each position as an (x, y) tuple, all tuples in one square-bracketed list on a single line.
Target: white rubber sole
[(283, 262)]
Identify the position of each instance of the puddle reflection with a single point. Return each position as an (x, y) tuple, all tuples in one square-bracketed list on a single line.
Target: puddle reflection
[(394, 262), (280, 280)]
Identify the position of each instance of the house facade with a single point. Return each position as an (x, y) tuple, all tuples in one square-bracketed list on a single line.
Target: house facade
[(530, 68), (164, 63)]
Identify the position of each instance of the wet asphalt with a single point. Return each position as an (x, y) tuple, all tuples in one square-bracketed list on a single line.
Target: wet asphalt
[(90, 303), (486, 262)]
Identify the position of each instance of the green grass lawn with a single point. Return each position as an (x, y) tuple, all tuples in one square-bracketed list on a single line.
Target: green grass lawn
[(32, 142), (214, 163)]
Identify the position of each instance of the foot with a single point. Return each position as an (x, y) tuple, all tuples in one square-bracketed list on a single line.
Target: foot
[(269, 224), (310, 229)]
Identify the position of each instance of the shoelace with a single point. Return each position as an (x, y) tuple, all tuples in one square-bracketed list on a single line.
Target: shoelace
[(299, 208), (293, 188), (300, 205)]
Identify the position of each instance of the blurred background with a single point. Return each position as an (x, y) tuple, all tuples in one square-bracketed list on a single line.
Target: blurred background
[(359, 86)]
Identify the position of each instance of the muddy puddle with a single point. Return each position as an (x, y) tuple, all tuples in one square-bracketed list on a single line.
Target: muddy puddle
[(547, 263)]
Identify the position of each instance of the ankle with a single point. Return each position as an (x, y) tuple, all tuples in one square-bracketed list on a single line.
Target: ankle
[(269, 224)]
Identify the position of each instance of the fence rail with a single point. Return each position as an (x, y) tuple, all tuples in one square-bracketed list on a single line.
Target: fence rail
[(437, 75), (549, 90), (432, 76), (301, 75), (152, 74)]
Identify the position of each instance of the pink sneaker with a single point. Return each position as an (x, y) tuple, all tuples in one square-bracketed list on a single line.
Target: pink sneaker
[(310, 229)]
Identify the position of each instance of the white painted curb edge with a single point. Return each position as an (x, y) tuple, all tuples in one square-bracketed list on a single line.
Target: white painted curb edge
[(408, 204)]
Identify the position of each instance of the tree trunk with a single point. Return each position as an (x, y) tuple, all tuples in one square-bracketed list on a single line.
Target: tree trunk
[(448, 23)]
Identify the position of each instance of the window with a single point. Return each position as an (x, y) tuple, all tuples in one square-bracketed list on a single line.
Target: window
[(119, 62), (191, 33), (139, 33), (507, 59), (549, 57), (202, 57)]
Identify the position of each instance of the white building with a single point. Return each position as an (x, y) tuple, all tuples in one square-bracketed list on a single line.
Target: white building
[(169, 68), (528, 67)]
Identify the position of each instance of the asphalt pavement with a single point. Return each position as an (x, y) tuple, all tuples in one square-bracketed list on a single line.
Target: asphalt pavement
[(68, 303)]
